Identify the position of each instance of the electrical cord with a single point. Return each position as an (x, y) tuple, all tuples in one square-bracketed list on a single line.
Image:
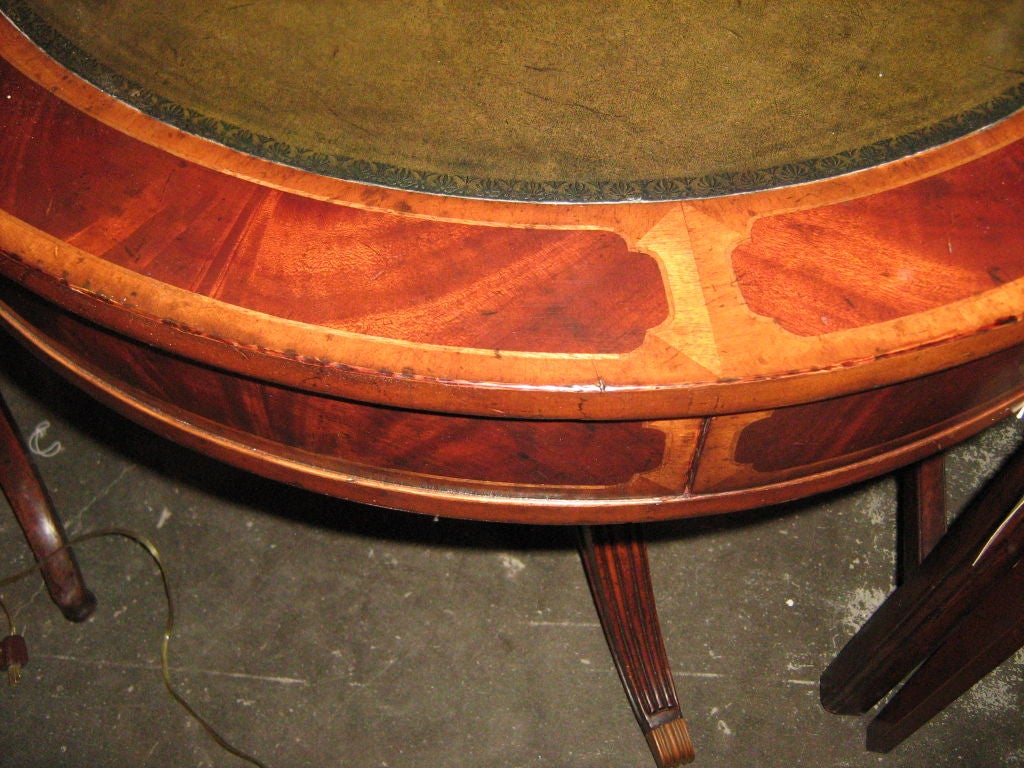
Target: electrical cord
[(165, 644), (10, 621)]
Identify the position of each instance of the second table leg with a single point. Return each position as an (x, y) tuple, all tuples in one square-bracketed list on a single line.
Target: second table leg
[(43, 530)]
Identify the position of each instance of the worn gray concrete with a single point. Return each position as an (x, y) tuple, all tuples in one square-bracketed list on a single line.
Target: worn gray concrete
[(316, 633)]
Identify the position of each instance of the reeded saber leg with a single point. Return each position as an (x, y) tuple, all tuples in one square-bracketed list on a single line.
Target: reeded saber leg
[(615, 560)]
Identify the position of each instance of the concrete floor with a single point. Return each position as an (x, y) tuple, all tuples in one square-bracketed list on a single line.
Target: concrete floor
[(317, 633)]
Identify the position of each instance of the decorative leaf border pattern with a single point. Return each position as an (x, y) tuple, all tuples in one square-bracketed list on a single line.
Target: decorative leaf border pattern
[(512, 190)]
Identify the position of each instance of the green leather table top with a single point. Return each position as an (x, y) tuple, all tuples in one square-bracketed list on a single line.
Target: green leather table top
[(539, 100)]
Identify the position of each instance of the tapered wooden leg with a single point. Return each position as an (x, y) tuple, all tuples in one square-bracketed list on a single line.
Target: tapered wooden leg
[(45, 534), (615, 561), (922, 513), (992, 632), (980, 549)]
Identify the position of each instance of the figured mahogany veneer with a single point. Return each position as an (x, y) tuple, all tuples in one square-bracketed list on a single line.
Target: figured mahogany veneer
[(439, 355), (566, 364), (548, 471), (902, 251), (342, 267)]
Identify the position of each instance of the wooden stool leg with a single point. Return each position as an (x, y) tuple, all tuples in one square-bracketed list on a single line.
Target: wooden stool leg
[(993, 632), (916, 618), (921, 507), (615, 561), (45, 534)]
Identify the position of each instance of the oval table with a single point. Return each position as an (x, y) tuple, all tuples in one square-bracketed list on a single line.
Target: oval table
[(530, 264)]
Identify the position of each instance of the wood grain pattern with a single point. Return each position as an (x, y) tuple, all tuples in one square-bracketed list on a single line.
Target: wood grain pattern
[(516, 470), (564, 364), (281, 254), (903, 251), (632, 317), (436, 446), (608, 311), (768, 447)]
